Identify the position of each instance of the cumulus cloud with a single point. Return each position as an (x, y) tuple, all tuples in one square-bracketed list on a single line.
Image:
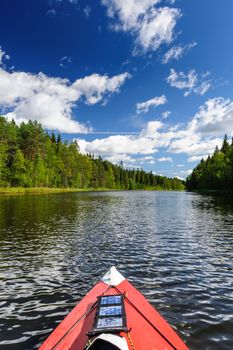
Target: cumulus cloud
[(205, 130), (117, 158), (215, 117), (193, 145), (118, 144), (49, 100), (144, 143), (190, 82), (177, 52), (150, 25), (196, 139), (96, 87), (143, 107)]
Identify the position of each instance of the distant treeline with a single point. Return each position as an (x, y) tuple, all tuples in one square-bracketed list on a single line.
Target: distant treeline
[(214, 173), (30, 157)]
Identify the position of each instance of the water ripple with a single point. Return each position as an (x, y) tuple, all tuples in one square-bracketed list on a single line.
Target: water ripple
[(175, 247)]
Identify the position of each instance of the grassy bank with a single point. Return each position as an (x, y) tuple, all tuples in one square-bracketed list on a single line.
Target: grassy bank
[(35, 190), (45, 190)]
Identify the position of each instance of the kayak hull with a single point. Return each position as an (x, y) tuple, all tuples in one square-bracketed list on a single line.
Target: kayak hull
[(147, 328)]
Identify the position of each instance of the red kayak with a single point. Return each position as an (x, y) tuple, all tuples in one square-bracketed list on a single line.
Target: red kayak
[(113, 316)]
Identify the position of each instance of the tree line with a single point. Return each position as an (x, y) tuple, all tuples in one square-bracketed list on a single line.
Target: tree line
[(30, 157), (216, 172)]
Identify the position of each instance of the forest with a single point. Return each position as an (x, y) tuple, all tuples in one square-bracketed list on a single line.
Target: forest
[(31, 157), (214, 173)]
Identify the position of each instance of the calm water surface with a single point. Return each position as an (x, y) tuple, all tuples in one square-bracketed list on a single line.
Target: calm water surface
[(176, 248)]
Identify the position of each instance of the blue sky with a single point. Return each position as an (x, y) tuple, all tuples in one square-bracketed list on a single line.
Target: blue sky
[(147, 82)]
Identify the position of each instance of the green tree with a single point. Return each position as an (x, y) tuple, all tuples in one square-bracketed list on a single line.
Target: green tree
[(18, 170), (4, 171)]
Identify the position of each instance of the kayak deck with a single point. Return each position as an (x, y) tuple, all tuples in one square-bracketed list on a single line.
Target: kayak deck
[(146, 329)]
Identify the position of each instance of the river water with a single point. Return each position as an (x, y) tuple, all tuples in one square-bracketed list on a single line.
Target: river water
[(175, 247)]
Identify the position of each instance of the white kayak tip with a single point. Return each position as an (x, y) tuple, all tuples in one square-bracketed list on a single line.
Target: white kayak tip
[(113, 277), (115, 340)]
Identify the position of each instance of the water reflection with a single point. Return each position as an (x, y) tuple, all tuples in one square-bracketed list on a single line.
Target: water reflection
[(175, 247)]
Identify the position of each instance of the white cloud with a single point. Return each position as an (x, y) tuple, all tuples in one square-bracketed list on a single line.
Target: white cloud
[(186, 172), (166, 114), (181, 80), (150, 25), (75, 2), (65, 61), (143, 107), (165, 159), (118, 144), (197, 138), (118, 158), (145, 143), (192, 144), (177, 52), (180, 178), (190, 82), (96, 87), (197, 158), (205, 130), (151, 130), (215, 117), (3, 56), (50, 101)]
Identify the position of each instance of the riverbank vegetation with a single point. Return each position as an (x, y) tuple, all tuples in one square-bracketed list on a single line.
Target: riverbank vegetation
[(214, 173), (41, 190), (31, 158)]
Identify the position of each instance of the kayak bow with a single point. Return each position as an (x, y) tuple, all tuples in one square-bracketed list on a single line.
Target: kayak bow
[(113, 316)]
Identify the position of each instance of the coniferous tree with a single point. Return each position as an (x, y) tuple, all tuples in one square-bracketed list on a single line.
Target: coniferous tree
[(29, 156), (216, 172)]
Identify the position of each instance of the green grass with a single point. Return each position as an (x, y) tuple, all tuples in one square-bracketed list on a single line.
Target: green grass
[(45, 190), (26, 190)]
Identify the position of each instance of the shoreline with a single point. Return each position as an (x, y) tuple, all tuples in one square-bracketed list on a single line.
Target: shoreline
[(214, 192), (48, 190)]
